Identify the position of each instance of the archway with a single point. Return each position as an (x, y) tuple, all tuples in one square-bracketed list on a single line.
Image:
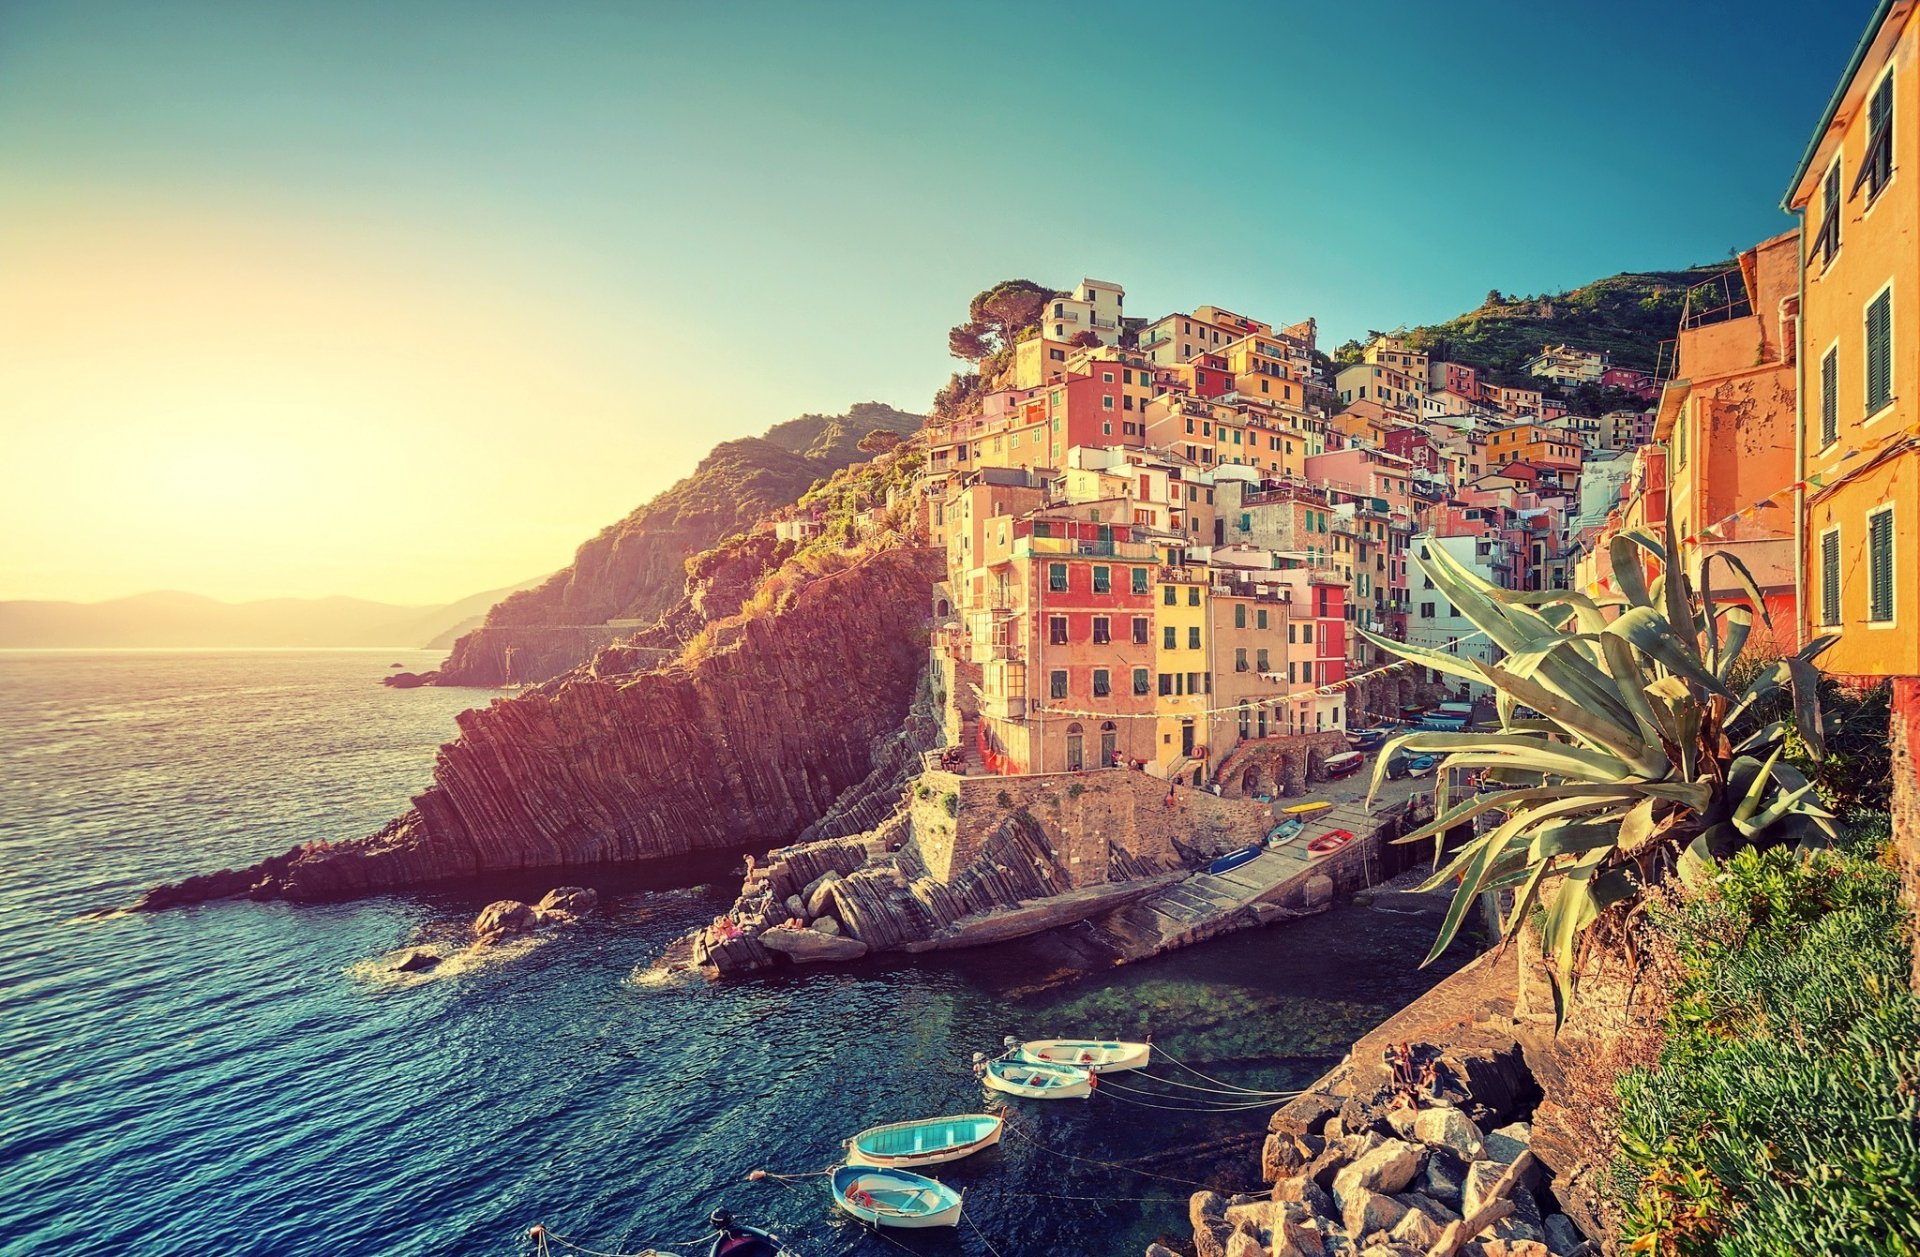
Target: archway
[(1250, 781), (1109, 745), (1076, 748), (1316, 764), (943, 608)]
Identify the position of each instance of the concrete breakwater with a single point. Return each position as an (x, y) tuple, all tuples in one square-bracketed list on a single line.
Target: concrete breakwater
[(964, 861)]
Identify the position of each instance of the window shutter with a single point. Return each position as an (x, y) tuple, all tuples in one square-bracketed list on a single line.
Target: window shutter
[(1830, 578), (1880, 351), (1830, 397), (1880, 567)]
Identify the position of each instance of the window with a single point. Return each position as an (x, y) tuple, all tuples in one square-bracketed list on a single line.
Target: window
[(1239, 615), (1830, 397), (1426, 610), (1139, 630), (1876, 164), (1056, 630), (1166, 684), (1102, 630), (1193, 637), (1106, 377), (1102, 683), (1102, 580), (1306, 632), (1880, 351), (1830, 577), (1260, 618), (1106, 403), (1240, 659), (1193, 595), (1169, 638), (1139, 580), (1880, 566), (1057, 577), (1140, 683), (1290, 633), (1058, 686), (1168, 594), (1260, 660)]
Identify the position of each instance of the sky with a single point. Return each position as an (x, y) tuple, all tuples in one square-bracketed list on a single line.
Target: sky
[(406, 301)]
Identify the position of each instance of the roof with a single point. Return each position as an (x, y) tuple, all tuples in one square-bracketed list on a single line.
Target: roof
[(1878, 22)]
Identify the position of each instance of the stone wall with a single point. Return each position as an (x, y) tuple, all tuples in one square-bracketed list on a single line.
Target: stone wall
[(1293, 760), (1903, 737)]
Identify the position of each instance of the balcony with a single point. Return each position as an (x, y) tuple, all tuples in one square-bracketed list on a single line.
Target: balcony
[(1003, 706)]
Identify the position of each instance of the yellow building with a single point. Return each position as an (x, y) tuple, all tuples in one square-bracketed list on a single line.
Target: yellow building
[(1183, 671), (1860, 357)]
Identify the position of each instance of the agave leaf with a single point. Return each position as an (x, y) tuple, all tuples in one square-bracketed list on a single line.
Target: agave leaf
[(1488, 849), (1524, 900), (1573, 837), (1757, 789), (1636, 827), (1743, 575), (1648, 542), (1557, 664), (1597, 795), (1761, 739), (1596, 730), (1818, 646), (1805, 679), (1573, 762), (1630, 680), (1784, 802), (1452, 665), (1627, 572), (1572, 910), (1678, 596), (1468, 596), (1695, 796), (1653, 635), (1584, 609), (1696, 866), (1739, 626)]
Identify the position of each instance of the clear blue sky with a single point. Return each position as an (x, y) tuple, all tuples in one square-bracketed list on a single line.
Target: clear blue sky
[(694, 219)]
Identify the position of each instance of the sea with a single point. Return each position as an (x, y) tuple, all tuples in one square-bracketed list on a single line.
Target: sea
[(254, 1078)]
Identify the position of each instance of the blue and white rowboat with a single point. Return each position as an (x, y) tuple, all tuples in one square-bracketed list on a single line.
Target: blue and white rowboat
[(1088, 1054), (1037, 1081), (927, 1141), (880, 1196)]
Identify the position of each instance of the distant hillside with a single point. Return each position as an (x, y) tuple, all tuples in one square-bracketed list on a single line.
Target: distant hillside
[(1625, 316), (173, 619), (636, 569)]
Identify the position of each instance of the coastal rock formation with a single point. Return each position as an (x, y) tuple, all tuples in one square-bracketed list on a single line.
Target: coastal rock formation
[(633, 570), (739, 744)]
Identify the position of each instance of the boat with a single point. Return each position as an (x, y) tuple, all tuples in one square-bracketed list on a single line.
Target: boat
[(1301, 809), (1344, 764), (1329, 842), (1421, 765), (1234, 859), (1091, 1055), (926, 1141), (881, 1196), (1285, 832), (1037, 1081), (736, 1239), (1365, 739)]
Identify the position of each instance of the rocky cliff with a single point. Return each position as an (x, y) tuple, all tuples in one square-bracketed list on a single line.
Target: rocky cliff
[(743, 742), (634, 570)]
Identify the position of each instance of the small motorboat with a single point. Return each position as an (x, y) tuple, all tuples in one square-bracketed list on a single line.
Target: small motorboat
[(1365, 739), (736, 1239), (1329, 842), (1421, 765), (1092, 1055), (1285, 832), (1037, 1081), (1234, 859), (1344, 764), (880, 1196), (928, 1141)]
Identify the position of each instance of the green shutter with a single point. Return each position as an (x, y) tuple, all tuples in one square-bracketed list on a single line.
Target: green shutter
[(1880, 567), (1830, 397), (1830, 578), (1880, 351)]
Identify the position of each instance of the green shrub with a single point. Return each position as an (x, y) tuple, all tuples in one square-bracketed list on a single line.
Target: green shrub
[(951, 801), (1784, 1113)]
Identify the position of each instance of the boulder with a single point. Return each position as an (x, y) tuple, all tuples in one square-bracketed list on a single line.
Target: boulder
[(1283, 1155), (1563, 1237), (1401, 1118), (811, 946), (1450, 1129), (1417, 1229), (1363, 1211), (1478, 1186), (1426, 1204), (1305, 1115), (796, 906), (825, 925), (1506, 1144), (1498, 1247), (404, 680), (1245, 1244), (1258, 1215), (416, 962), (1446, 1176), (1204, 1208), (504, 918), (819, 893), (1525, 1222), (568, 903), (1387, 1168), (1293, 1237), (1332, 1159), (1304, 1191)]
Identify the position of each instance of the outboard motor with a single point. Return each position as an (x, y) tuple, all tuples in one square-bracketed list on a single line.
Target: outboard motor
[(1009, 1041), (721, 1221)]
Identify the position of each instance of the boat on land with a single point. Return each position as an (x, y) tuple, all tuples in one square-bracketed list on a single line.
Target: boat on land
[(1035, 1081), (925, 1141), (1365, 739), (737, 1239), (1302, 809), (1093, 1055), (880, 1196), (1345, 764), (1329, 842), (1285, 832), (1421, 765), (1234, 859)]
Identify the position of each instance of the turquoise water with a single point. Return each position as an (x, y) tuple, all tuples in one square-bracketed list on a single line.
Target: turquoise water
[(241, 1078)]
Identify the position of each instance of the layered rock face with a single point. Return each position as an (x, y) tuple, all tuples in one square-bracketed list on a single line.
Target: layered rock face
[(744, 746), (634, 570)]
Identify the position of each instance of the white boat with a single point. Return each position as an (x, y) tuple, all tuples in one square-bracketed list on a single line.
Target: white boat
[(927, 1141), (894, 1198), (1037, 1082), (1088, 1054)]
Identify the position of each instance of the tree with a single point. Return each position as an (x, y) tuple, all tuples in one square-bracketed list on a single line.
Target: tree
[(997, 315), (1084, 338), (1494, 298), (1624, 751), (879, 441), (968, 341)]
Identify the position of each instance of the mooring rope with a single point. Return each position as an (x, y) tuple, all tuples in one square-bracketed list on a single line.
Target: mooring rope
[(1220, 1082), (540, 1235), (1031, 1142), (1189, 1106), (1243, 1092)]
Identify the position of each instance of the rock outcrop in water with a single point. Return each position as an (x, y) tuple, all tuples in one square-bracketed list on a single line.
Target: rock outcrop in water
[(634, 570), (744, 742)]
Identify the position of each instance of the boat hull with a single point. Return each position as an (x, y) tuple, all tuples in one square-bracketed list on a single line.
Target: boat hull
[(1234, 859), (895, 1199), (930, 1141), (1033, 1081), (1094, 1055), (1328, 843), (1342, 766)]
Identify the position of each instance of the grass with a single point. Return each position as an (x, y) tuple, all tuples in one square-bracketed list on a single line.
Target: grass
[(1784, 1113)]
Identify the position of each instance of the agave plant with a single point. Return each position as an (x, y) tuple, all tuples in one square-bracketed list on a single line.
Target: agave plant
[(1622, 753)]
